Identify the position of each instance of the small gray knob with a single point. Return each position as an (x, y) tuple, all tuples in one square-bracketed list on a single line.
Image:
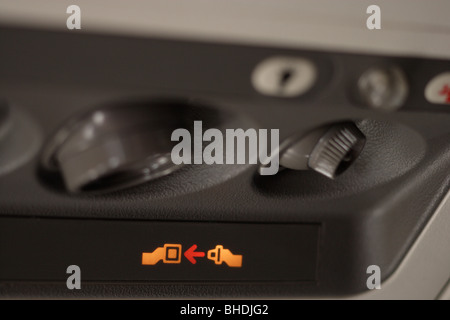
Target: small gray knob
[(383, 88)]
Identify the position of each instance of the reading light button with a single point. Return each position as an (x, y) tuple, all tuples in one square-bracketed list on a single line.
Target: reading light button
[(284, 77)]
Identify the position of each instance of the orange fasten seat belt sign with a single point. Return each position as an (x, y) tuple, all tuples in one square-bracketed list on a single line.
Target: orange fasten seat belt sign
[(171, 253)]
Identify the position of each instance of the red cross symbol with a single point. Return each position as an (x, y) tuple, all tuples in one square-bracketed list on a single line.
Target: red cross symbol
[(446, 90)]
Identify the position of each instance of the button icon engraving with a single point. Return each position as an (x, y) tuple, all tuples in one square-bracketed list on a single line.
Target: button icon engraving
[(284, 76)]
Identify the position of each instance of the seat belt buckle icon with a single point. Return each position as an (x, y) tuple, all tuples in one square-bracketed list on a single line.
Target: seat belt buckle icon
[(219, 255), (170, 253)]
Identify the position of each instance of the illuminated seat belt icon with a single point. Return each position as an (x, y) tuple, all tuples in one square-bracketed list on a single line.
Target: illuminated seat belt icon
[(219, 255), (170, 253)]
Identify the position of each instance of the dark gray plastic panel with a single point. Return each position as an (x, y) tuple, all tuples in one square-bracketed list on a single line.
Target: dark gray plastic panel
[(369, 215)]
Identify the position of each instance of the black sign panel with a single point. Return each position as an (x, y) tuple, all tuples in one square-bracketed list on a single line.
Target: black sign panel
[(43, 249)]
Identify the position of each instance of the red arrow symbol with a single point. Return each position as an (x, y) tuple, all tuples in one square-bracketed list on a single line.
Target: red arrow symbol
[(190, 254)]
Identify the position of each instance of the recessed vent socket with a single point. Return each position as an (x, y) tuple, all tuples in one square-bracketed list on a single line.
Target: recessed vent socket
[(116, 147)]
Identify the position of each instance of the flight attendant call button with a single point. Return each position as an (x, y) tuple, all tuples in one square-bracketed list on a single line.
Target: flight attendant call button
[(438, 89)]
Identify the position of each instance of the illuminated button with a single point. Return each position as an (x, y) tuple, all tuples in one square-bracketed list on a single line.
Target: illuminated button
[(169, 253), (219, 255), (438, 89), (284, 76)]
